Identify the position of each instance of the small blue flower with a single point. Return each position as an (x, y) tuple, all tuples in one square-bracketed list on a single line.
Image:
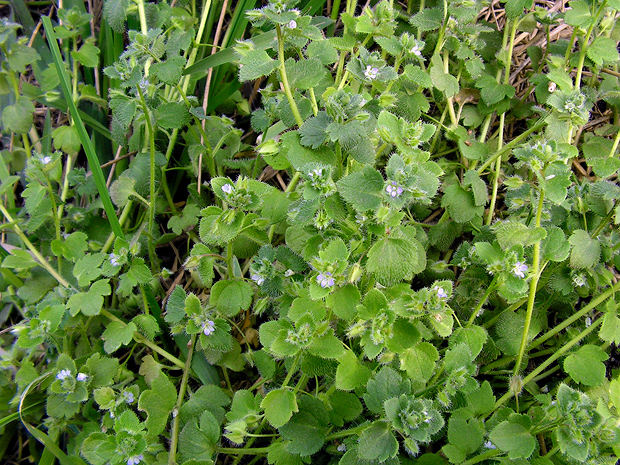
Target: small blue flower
[(208, 328), (114, 259), (81, 377), (63, 374), (45, 160), (135, 460), (128, 396), (394, 190), (258, 279), (325, 279), (227, 188), (519, 270), (440, 292)]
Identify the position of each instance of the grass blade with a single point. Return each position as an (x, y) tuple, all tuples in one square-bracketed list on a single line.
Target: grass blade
[(77, 120)]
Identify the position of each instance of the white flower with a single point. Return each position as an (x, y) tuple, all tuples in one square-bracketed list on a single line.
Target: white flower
[(81, 377), (63, 374), (208, 328), (325, 280), (519, 270), (288, 273), (227, 188), (292, 24), (371, 73), (135, 460), (258, 279), (46, 159), (342, 447), (317, 172), (114, 259), (415, 50)]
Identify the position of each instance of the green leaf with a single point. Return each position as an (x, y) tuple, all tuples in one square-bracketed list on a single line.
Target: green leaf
[(443, 81), (304, 74), (20, 56), (578, 15), (610, 329), (115, 13), (603, 49), (493, 92), (300, 156), (19, 116), (510, 233), (326, 346), (343, 301), (386, 384), (67, 139), (586, 365), (279, 406), (312, 133), (419, 361), (514, 439), (306, 429), (461, 204), (404, 335), (478, 187), (473, 337), (231, 296), (175, 307), (88, 55), (117, 334), (467, 435), (585, 252), (514, 8), (362, 189), (350, 373), (377, 442), (555, 246), (208, 397), (90, 302), (169, 71), (173, 115), (198, 442), (481, 401), (158, 403), (428, 19), (72, 248), (256, 64), (393, 259)]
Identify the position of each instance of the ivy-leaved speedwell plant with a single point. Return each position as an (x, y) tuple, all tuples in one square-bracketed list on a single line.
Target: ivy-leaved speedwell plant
[(417, 259)]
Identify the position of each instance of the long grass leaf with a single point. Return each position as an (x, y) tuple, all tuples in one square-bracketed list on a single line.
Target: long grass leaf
[(77, 121)]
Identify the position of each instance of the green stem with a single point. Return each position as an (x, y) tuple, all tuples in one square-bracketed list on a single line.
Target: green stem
[(484, 456), (139, 338), (346, 433), (484, 298), (121, 220), (498, 167), (567, 322), (175, 423), (543, 366), (33, 249), (152, 200), (510, 145), (285, 83), (142, 15), (584, 47), (244, 451), (533, 286)]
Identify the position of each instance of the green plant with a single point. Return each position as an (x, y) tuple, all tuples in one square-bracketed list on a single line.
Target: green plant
[(432, 278)]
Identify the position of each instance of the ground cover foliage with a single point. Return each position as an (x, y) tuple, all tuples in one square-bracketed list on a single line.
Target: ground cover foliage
[(310, 232)]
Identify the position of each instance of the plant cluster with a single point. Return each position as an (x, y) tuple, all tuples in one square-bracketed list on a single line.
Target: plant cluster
[(394, 255)]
